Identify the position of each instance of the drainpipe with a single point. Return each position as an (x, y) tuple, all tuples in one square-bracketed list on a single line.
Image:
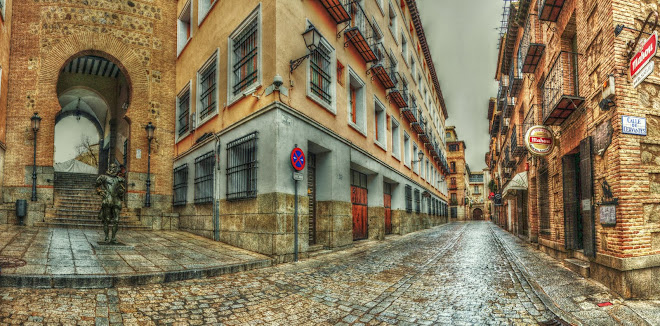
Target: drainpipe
[(216, 193)]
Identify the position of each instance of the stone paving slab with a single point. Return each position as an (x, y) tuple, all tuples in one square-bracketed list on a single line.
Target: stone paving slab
[(70, 258)]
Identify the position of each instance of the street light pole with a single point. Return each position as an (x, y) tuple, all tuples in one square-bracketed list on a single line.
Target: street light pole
[(150, 136), (36, 120)]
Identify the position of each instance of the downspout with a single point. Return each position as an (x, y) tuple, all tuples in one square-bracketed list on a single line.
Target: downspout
[(216, 189)]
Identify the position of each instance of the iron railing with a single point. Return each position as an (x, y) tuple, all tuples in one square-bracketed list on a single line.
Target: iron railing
[(360, 31), (561, 86), (409, 199), (208, 90), (517, 144), (418, 206), (530, 119), (184, 107), (204, 178), (242, 167), (180, 187), (529, 52), (321, 78), (549, 10), (515, 76)]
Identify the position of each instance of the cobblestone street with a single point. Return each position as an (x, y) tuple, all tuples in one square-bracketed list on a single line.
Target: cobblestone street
[(453, 274)]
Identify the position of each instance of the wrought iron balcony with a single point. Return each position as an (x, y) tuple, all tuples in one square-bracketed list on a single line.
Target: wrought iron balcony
[(501, 92), (491, 108), (399, 97), (495, 127), (509, 106), (418, 125), (549, 10), (360, 32), (410, 113), (560, 90), (517, 144), (424, 138), (530, 119), (504, 127), (453, 186), (515, 78), (337, 9), (509, 160), (530, 53), (385, 68)]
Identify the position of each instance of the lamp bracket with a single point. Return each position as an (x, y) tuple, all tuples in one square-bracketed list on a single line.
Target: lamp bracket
[(632, 46), (293, 64)]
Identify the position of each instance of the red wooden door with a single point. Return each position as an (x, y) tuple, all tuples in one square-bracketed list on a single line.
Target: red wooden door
[(359, 201), (388, 213)]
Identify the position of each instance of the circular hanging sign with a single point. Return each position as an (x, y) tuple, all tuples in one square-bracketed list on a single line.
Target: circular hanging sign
[(540, 140), (297, 159)]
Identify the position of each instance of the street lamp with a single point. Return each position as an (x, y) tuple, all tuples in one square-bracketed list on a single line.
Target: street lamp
[(312, 39), (36, 121), (420, 156), (150, 136)]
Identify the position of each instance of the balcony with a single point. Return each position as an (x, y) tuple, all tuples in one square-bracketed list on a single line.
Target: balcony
[(400, 98), (501, 92), (509, 106), (509, 160), (410, 113), (385, 69), (530, 53), (495, 127), (515, 78), (517, 144), (453, 186), (418, 125), (337, 10), (530, 119), (479, 178), (560, 89), (424, 138), (504, 127), (360, 32), (491, 108), (549, 10)]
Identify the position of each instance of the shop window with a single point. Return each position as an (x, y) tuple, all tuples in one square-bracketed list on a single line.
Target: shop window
[(180, 187), (204, 178), (242, 167)]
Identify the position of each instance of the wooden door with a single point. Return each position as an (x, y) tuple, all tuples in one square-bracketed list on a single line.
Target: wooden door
[(359, 205), (311, 192), (387, 203), (586, 194)]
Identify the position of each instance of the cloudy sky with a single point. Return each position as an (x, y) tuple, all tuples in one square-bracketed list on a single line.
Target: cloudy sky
[(462, 36)]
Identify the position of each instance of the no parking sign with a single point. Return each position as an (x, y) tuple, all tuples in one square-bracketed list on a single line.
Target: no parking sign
[(297, 159)]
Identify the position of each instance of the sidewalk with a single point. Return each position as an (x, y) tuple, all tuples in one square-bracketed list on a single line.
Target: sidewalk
[(570, 295), (54, 257)]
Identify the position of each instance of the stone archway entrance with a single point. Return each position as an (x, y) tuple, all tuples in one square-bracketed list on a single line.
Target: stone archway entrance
[(477, 214)]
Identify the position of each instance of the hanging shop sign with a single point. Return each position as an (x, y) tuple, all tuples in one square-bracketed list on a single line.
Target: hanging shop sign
[(633, 125), (602, 137), (540, 140), (644, 56)]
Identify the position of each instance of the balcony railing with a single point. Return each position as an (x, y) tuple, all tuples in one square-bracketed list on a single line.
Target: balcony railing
[(399, 97), (453, 186), (549, 10), (504, 127), (495, 128), (517, 141), (509, 160), (385, 68), (515, 77), (476, 178), (410, 112), (560, 90), (509, 106), (337, 9), (501, 92), (418, 125), (530, 119), (529, 53), (360, 32)]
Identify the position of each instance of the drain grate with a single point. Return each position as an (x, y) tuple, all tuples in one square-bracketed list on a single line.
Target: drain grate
[(11, 262), (555, 322)]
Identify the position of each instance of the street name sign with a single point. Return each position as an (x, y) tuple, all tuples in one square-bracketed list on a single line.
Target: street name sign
[(633, 125)]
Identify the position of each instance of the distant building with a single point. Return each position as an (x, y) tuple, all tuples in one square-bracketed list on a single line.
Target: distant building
[(458, 176)]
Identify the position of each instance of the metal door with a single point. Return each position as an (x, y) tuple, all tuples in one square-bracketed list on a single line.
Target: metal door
[(359, 201), (586, 194), (387, 203), (311, 192)]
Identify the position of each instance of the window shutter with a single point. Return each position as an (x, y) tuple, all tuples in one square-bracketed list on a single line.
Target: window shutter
[(586, 205), (570, 201)]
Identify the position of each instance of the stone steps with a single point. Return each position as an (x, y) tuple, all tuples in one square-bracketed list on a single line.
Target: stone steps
[(579, 266), (80, 225)]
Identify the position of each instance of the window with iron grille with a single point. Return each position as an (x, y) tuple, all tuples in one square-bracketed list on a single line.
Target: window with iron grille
[(245, 43), (418, 206), (183, 111), (408, 199), (208, 89), (242, 167), (320, 73), (204, 178), (180, 185)]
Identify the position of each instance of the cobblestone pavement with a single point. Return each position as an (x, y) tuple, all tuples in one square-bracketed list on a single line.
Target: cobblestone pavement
[(455, 274)]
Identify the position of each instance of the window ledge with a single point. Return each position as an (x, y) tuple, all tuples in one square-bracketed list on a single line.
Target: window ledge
[(358, 129), (396, 156), (182, 137), (383, 147), (249, 91), (323, 104), (200, 22), (185, 46)]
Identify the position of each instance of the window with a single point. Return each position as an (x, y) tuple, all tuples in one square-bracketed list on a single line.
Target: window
[(321, 85), (340, 73), (454, 200), (453, 147), (204, 178), (242, 167), (380, 124), (380, 6), (448, 135), (207, 94), (184, 28), (418, 206), (404, 48), (416, 164), (204, 8), (180, 185), (244, 58), (408, 199), (396, 140), (413, 67), (453, 167), (406, 149), (392, 21), (357, 117), (183, 112), (426, 170), (476, 190)]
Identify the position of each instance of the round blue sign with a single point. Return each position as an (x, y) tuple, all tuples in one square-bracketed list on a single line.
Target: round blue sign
[(297, 159)]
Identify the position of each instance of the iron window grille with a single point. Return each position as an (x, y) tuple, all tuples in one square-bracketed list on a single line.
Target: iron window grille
[(242, 167), (184, 109), (409, 199), (245, 65), (320, 77), (418, 206), (204, 178), (207, 97), (180, 185)]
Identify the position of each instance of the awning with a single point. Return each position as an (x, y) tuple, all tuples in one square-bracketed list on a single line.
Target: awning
[(519, 182)]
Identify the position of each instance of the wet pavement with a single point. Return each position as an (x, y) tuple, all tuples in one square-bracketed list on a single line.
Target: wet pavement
[(456, 274), (72, 257)]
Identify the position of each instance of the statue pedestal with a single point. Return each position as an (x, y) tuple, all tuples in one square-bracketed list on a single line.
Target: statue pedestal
[(102, 245)]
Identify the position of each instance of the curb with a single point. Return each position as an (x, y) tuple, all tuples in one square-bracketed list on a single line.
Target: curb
[(110, 281), (538, 290)]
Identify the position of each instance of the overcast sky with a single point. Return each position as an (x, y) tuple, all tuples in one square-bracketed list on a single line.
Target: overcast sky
[(462, 37)]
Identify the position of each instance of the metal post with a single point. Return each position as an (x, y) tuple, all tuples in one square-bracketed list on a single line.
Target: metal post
[(295, 223), (147, 200), (34, 169)]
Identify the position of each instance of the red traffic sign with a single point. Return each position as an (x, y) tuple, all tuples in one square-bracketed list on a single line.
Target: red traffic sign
[(642, 57), (297, 159)]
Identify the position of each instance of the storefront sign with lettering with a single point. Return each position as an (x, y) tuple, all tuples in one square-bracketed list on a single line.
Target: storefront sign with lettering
[(540, 140)]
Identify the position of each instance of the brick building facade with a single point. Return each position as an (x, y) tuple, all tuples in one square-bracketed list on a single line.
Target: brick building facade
[(553, 63), (458, 180)]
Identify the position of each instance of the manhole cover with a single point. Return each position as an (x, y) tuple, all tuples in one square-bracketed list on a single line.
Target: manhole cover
[(11, 262)]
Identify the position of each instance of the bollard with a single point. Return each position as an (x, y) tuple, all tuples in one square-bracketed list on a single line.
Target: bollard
[(21, 211)]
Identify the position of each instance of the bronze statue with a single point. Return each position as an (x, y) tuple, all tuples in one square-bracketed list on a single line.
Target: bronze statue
[(111, 187)]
